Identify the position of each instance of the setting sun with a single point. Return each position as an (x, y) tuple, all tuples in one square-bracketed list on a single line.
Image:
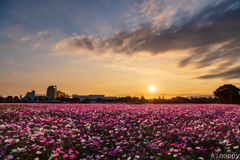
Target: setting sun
[(152, 88)]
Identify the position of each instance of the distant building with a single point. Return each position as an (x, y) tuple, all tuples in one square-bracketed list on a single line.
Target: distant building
[(60, 94), (30, 95), (52, 92), (67, 96), (40, 96), (92, 97), (20, 97), (81, 97)]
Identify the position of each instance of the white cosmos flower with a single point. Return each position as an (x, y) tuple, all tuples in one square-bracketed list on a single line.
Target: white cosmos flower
[(137, 156)]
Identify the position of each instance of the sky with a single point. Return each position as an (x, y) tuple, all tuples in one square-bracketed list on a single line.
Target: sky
[(119, 48)]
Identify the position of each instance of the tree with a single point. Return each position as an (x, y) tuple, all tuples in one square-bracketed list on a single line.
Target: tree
[(227, 93), (23, 100), (16, 99), (9, 99), (86, 100), (173, 99), (35, 99), (40, 99), (143, 100), (29, 99), (75, 100), (2, 99)]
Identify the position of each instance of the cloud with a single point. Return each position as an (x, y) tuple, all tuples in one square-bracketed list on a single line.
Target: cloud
[(42, 32), (0, 71), (11, 61), (147, 7), (36, 45), (119, 42), (159, 17), (15, 72), (16, 14), (210, 37), (25, 39), (233, 73)]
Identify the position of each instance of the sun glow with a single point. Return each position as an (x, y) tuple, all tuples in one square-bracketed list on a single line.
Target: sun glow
[(152, 88)]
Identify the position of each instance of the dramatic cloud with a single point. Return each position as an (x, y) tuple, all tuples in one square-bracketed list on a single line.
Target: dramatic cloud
[(212, 36), (230, 74), (147, 7)]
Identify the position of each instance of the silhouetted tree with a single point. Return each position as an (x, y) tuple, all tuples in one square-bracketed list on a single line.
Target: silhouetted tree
[(40, 99), (173, 99), (29, 99), (2, 99), (100, 100), (23, 100), (16, 99), (9, 99), (86, 100), (75, 100), (135, 99), (35, 99), (227, 93), (181, 100), (143, 100)]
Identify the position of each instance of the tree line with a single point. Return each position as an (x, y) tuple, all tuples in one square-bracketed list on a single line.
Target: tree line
[(227, 94)]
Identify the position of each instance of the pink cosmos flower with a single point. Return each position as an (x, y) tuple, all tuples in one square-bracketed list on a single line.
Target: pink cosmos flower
[(10, 157), (114, 151), (65, 156)]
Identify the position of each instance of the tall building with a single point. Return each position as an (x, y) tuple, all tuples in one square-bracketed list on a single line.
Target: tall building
[(52, 92), (60, 94)]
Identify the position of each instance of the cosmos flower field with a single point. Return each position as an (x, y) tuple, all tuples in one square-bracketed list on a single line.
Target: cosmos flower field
[(118, 131)]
